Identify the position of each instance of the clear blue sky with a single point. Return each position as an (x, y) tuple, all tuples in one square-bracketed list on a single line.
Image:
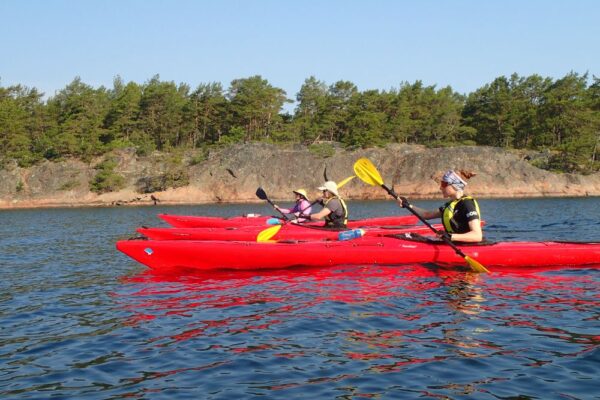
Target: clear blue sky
[(376, 44)]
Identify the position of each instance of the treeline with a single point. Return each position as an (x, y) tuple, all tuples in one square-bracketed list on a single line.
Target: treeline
[(561, 116)]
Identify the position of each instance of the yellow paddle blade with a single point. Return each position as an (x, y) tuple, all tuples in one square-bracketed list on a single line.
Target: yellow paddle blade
[(475, 265), (348, 179), (267, 234), (366, 171)]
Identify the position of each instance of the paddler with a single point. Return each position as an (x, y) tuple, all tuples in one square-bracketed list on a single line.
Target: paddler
[(301, 209), (460, 215), (334, 212)]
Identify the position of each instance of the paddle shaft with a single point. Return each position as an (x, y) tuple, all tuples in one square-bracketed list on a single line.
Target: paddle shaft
[(409, 206), (260, 192), (301, 212)]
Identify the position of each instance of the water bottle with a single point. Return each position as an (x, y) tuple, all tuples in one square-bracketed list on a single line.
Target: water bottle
[(352, 234), (273, 221)]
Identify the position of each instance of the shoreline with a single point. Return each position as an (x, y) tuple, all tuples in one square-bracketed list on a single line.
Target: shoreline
[(232, 175), (45, 204)]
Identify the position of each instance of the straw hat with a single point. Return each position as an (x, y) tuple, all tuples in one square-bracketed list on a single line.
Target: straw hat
[(301, 192), (331, 187)]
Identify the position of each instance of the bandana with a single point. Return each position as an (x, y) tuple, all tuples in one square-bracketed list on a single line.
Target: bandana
[(452, 178)]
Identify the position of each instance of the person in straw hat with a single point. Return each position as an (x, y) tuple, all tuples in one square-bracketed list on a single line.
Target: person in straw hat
[(302, 207), (334, 212)]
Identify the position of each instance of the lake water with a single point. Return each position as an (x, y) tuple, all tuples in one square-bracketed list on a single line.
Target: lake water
[(79, 320)]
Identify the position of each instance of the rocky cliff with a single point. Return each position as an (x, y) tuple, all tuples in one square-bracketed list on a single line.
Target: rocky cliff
[(233, 174)]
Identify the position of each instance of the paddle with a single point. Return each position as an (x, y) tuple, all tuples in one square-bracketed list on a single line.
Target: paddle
[(342, 183), (268, 233), (367, 172), (348, 179), (261, 194)]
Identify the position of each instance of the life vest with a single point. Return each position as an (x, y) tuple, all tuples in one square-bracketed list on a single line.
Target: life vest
[(334, 220), (448, 214)]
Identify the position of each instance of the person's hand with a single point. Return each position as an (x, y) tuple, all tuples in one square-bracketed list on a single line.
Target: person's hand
[(444, 235), (403, 202)]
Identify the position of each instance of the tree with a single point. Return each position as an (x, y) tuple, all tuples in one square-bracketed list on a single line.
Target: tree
[(79, 110), (161, 112), (255, 106), (205, 114), (594, 104), (309, 114), (122, 118), (527, 93), (366, 120), (489, 111), (569, 122), (335, 113)]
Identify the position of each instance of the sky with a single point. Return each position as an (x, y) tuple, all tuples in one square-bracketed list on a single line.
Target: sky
[(376, 44)]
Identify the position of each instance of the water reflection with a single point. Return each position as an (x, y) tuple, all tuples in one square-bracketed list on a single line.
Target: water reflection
[(71, 327), (358, 323)]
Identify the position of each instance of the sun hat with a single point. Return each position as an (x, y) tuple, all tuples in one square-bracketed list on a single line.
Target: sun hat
[(452, 178), (301, 192), (331, 187)]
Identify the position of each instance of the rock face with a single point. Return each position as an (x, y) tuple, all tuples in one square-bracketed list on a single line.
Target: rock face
[(233, 174)]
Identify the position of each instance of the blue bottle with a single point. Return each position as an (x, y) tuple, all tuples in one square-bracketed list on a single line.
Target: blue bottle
[(349, 235)]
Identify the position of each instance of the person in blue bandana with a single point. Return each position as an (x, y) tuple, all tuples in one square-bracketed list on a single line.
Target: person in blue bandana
[(460, 216)]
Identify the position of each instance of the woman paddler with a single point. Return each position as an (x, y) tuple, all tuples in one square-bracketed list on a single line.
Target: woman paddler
[(460, 215), (301, 209), (334, 212)]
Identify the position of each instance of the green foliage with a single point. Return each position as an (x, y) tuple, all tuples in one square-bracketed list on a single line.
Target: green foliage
[(540, 163), (173, 177), (199, 157), (69, 185), (323, 150), (79, 111), (205, 115), (106, 180), (513, 112), (236, 134), (20, 186), (174, 174)]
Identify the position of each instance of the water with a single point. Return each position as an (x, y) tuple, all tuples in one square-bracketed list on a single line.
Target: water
[(80, 320)]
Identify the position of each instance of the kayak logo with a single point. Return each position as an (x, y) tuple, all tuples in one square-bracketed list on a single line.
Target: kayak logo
[(148, 251)]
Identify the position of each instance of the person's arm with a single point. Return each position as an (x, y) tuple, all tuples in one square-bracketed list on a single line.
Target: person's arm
[(283, 210), (422, 212), (474, 235), (321, 214)]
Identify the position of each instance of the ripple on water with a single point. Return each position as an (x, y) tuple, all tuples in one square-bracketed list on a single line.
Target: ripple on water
[(79, 320)]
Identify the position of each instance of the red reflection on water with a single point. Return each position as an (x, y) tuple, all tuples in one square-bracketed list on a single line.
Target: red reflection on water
[(400, 365), (165, 295), (229, 303), (288, 292)]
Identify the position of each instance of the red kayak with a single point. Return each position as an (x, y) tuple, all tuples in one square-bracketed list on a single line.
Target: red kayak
[(287, 232), (247, 255), (194, 221)]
